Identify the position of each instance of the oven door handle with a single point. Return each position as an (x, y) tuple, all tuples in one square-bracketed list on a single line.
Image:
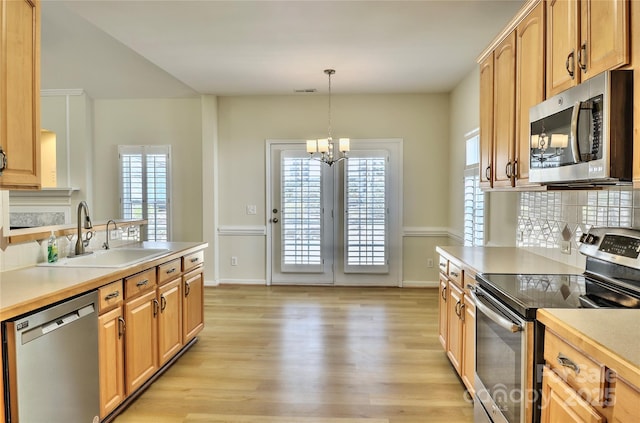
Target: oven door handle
[(502, 321)]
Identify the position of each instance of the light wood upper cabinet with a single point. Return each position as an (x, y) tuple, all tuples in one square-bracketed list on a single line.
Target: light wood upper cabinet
[(20, 93), (486, 122), (504, 96), (530, 87), (584, 38)]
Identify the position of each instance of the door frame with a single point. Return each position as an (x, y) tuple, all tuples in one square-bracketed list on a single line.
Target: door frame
[(394, 145)]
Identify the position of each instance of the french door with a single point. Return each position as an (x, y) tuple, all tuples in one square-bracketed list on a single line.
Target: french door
[(331, 224)]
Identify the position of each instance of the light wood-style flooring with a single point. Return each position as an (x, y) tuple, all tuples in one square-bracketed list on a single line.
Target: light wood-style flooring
[(311, 355)]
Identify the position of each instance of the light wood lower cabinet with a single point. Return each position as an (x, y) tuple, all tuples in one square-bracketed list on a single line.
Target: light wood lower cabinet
[(456, 320), (469, 344), (454, 326), (193, 304), (562, 404), (442, 311), (141, 340), (111, 345), (145, 320), (169, 320)]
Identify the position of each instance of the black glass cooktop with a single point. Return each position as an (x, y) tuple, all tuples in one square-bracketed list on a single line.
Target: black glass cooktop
[(526, 293)]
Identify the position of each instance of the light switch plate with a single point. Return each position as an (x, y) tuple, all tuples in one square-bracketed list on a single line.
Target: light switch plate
[(251, 209)]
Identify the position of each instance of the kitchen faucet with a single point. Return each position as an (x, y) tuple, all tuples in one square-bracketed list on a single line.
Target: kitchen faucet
[(106, 242), (87, 225)]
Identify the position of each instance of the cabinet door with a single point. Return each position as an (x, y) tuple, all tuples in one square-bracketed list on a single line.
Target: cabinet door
[(193, 305), (454, 326), (141, 340), (626, 407), (469, 344), (504, 89), (169, 320), (562, 42), (111, 352), (604, 36), (20, 93), (486, 122), (442, 309), (529, 83), (560, 403)]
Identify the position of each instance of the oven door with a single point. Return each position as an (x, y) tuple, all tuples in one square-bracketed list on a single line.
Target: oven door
[(501, 361)]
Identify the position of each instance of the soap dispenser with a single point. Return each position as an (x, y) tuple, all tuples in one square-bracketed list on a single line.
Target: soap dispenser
[(52, 249)]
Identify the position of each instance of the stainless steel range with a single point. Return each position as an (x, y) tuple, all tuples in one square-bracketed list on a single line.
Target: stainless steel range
[(509, 341)]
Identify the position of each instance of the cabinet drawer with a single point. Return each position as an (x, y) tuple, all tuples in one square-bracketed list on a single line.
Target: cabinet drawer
[(168, 271), (443, 264), (140, 282), (583, 374), (110, 296), (455, 274), (192, 260)]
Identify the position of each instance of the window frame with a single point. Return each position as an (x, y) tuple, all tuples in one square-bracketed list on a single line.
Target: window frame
[(145, 151)]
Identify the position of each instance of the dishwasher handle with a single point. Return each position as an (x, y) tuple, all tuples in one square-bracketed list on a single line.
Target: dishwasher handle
[(57, 323)]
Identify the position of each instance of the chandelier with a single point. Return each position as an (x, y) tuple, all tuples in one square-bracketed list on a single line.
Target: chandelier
[(325, 146)]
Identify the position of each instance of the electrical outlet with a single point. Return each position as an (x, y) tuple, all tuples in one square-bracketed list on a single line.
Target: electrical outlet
[(429, 262), (565, 247), (234, 261)]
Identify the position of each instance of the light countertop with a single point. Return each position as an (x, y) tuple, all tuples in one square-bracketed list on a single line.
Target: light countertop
[(611, 337), (505, 260), (24, 290)]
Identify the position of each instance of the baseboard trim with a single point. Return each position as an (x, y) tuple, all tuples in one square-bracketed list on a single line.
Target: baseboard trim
[(242, 282), (420, 284)]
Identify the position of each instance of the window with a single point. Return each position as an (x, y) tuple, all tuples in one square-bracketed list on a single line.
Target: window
[(473, 195), (366, 240), (144, 187), (301, 188)]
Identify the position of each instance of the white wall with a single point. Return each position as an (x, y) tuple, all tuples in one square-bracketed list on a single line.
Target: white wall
[(177, 122), (246, 122)]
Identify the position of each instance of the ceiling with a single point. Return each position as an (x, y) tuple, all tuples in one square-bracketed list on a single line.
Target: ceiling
[(175, 48)]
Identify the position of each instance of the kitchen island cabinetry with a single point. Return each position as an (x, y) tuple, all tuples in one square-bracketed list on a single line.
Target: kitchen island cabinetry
[(20, 94), (592, 366), (111, 347), (584, 38)]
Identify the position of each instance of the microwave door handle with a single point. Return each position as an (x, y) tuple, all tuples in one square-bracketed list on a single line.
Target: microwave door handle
[(575, 117), (501, 321)]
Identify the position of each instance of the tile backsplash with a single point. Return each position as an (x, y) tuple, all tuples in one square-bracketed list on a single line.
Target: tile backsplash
[(545, 219)]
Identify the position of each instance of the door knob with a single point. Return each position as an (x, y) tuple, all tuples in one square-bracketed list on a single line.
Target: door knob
[(274, 220)]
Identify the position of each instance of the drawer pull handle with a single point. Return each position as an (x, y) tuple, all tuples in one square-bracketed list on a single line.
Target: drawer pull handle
[(169, 271), (114, 294), (195, 259), (456, 274), (142, 283), (443, 265), (565, 361)]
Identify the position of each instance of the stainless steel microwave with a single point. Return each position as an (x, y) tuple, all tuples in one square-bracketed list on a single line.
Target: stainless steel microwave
[(584, 134)]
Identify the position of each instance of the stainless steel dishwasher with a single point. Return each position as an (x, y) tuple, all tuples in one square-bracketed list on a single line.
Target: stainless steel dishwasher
[(52, 363)]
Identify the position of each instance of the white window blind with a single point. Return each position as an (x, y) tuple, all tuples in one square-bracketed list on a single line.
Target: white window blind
[(366, 230), (474, 207), (144, 187), (301, 213)]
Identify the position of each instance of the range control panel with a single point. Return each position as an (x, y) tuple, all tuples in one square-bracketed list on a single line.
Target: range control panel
[(615, 245)]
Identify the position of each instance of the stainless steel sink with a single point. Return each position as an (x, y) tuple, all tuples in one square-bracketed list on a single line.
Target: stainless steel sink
[(115, 257)]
